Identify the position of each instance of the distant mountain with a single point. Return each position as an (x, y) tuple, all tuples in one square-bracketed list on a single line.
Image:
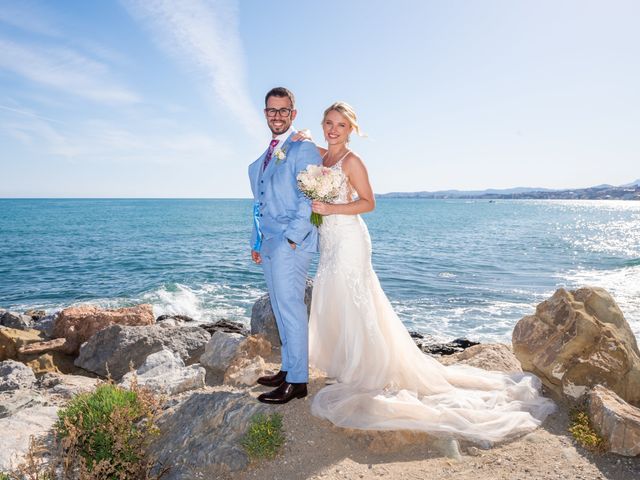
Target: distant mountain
[(464, 193), (629, 191), (632, 184)]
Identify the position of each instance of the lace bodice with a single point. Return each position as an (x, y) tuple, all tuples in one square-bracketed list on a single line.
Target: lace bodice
[(346, 191)]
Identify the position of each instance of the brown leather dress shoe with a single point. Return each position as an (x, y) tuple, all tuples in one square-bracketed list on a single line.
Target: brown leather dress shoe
[(273, 380), (284, 393)]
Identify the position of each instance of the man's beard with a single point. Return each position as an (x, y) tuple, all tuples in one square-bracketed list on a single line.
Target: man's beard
[(283, 129)]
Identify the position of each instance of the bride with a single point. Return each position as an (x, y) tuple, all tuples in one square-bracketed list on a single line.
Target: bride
[(383, 380)]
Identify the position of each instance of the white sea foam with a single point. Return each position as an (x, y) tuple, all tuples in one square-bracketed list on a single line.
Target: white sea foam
[(484, 321), (204, 303)]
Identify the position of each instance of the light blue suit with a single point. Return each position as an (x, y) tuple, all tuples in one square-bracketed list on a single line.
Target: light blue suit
[(282, 212)]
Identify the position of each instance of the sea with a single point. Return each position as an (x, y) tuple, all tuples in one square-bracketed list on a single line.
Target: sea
[(451, 268)]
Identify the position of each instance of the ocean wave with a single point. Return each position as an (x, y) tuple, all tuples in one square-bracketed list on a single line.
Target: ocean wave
[(204, 303)]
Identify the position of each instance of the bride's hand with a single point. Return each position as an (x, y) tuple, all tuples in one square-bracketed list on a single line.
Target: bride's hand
[(304, 134), (321, 208)]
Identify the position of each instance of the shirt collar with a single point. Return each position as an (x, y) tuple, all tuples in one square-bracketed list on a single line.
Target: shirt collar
[(283, 136)]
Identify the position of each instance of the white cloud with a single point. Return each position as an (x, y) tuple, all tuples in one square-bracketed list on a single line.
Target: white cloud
[(203, 34), (64, 70)]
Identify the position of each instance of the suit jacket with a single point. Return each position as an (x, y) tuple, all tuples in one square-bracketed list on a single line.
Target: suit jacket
[(282, 209)]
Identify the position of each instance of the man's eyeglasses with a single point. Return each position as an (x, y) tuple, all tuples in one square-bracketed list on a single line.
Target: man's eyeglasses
[(284, 112)]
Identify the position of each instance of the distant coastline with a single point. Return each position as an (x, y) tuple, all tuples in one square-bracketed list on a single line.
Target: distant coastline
[(630, 191)]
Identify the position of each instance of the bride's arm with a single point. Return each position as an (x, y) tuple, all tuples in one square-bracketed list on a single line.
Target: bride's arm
[(355, 170)]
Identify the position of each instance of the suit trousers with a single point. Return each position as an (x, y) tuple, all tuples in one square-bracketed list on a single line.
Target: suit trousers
[(285, 272)]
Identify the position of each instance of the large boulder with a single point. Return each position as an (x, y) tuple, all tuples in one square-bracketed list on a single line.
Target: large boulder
[(264, 321), (164, 372), (15, 375), (78, 324), (578, 339), (238, 359), (201, 437), (113, 349), (16, 320), (615, 420), (220, 351), (12, 339)]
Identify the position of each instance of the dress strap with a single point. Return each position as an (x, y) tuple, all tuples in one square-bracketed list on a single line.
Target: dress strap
[(344, 156), (339, 162)]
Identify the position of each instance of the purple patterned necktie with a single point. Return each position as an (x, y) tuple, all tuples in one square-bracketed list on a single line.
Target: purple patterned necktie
[(267, 159)]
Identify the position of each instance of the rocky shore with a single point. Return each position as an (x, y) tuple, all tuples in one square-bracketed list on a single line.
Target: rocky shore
[(577, 342)]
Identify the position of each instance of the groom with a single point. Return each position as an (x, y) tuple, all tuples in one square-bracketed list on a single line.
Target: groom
[(283, 241)]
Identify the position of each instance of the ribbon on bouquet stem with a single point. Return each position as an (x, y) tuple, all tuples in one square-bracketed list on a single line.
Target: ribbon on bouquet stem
[(256, 223)]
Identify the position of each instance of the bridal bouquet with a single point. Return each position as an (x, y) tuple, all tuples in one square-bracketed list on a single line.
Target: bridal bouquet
[(319, 183)]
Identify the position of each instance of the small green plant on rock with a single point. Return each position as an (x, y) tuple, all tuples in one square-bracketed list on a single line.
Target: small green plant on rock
[(583, 431), (264, 436), (103, 434)]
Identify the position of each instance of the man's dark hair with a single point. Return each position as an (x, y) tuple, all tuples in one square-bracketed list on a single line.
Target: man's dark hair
[(280, 92)]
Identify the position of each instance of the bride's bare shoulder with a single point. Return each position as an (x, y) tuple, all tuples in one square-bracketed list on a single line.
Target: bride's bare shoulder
[(321, 150), (352, 160)]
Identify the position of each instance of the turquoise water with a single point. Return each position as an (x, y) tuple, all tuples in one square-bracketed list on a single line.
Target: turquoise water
[(450, 267)]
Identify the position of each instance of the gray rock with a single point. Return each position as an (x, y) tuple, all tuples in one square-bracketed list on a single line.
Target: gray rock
[(36, 315), (225, 326), (201, 437), (66, 386), (454, 346), (164, 372), (169, 322), (46, 324), (220, 351), (15, 400), (15, 375), (116, 347), (16, 320), (17, 430), (264, 321), (179, 318)]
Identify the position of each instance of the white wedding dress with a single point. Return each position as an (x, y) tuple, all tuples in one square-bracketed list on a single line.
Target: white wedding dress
[(384, 381)]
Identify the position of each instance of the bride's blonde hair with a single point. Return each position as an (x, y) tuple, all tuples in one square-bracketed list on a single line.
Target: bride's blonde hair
[(347, 111)]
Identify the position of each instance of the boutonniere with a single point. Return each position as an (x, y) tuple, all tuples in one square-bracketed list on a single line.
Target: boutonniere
[(281, 155)]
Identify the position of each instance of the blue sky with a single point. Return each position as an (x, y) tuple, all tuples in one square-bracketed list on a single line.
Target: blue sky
[(158, 98)]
